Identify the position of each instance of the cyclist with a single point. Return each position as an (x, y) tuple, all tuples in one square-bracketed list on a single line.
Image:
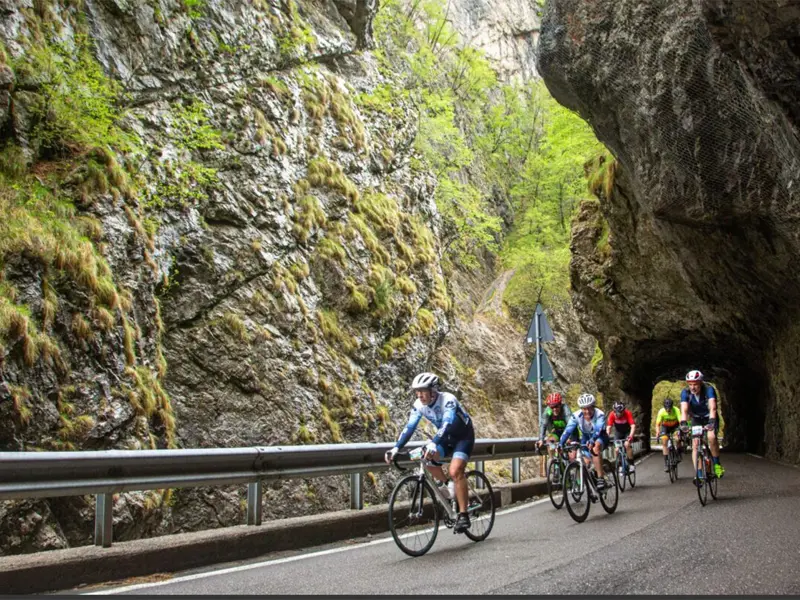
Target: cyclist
[(555, 420), (699, 401), (624, 428), (667, 421), (590, 421), (455, 437)]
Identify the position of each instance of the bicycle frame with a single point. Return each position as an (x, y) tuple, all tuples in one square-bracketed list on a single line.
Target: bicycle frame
[(621, 452)]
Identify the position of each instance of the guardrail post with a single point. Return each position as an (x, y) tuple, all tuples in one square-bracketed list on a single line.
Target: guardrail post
[(356, 491), (480, 468), (254, 509), (515, 469), (103, 520)]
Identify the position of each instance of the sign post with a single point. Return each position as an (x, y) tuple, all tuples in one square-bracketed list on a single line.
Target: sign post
[(539, 331)]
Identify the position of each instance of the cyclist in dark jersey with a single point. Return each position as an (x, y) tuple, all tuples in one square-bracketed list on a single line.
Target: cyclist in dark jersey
[(699, 401), (624, 427)]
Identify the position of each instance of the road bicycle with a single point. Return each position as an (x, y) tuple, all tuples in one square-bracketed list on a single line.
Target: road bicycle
[(707, 482), (673, 458), (580, 486), (623, 467), (417, 505), (555, 473)]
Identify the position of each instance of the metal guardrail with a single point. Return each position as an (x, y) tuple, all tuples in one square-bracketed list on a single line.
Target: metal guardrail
[(104, 473)]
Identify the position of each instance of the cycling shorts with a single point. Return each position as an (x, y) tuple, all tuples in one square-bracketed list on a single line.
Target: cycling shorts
[(667, 430), (602, 438), (704, 421), (457, 448), (622, 433)]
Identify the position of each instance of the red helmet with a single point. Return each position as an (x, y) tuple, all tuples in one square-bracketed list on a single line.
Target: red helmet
[(554, 400)]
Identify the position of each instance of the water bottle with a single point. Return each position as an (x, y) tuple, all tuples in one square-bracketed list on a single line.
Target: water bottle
[(451, 488), (415, 454)]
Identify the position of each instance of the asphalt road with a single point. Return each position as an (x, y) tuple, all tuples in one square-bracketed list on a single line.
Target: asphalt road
[(660, 541)]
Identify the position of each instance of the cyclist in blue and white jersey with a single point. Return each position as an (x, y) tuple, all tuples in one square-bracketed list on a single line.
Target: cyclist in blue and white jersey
[(591, 422), (700, 401), (455, 437)]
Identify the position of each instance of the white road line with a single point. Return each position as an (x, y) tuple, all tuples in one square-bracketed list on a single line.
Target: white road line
[(753, 455), (279, 561)]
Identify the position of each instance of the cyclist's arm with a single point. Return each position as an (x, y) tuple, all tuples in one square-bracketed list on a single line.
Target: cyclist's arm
[(659, 419), (609, 423), (411, 426), (448, 418), (712, 403), (544, 425), (573, 423), (684, 407)]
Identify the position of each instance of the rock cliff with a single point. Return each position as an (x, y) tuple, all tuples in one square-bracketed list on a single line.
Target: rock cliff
[(688, 259)]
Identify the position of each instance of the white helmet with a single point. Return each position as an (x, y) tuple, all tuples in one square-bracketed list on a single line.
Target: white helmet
[(694, 376), (425, 381), (585, 400)]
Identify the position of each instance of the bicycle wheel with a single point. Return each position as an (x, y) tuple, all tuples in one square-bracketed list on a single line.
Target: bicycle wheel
[(575, 494), (413, 515), (620, 466), (609, 497), (480, 506), (555, 484), (631, 476), (675, 461), (670, 465), (712, 479), (702, 489)]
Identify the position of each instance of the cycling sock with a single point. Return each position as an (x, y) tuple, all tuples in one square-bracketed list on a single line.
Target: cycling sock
[(715, 459)]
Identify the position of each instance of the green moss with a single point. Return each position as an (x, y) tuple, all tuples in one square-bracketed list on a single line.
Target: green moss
[(376, 249), (309, 214), (333, 426), (330, 249), (235, 325), (405, 285), (381, 281), (329, 323), (20, 395), (596, 357), (381, 210), (426, 320), (322, 173)]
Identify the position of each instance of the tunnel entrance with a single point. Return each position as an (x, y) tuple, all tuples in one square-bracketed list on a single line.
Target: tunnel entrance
[(657, 368), (672, 389)]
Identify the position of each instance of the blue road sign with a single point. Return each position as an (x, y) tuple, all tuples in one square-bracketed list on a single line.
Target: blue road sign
[(547, 370), (544, 327)]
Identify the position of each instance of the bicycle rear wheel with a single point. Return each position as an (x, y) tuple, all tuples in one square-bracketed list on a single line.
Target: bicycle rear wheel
[(413, 515), (620, 466), (480, 506), (670, 466), (575, 494), (555, 483), (702, 488)]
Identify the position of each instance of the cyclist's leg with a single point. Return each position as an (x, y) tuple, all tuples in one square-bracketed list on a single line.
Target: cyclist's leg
[(462, 450), (597, 457), (435, 469), (662, 434)]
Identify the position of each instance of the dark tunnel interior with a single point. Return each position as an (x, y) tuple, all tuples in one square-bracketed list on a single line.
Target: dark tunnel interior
[(743, 390)]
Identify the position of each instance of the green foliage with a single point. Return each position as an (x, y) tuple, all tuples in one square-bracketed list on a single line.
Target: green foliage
[(77, 104), (596, 357)]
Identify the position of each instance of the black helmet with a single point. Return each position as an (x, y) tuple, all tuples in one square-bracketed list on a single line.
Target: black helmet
[(668, 404)]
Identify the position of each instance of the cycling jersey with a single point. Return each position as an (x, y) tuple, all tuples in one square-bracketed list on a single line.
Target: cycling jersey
[(555, 422), (698, 405), (446, 413), (668, 419), (591, 430), (622, 423)]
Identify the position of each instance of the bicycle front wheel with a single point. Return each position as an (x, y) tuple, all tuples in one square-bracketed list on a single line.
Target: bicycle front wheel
[(702, 488), (480, 506), (631, 475), (671, 466), (413, 515), (555, 483), (576, 492), (609, 497), (675, 460), (712, 481), (621, 472)]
